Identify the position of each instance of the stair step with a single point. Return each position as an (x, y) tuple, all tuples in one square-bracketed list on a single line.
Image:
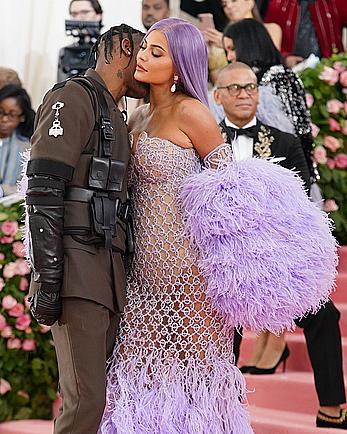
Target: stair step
[(340, 295), (265, 421), (298, 360), (342, 266), (27, 427), (292, 391)]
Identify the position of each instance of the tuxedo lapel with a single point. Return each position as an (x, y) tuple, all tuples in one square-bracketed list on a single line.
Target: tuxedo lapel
[(262, 146)]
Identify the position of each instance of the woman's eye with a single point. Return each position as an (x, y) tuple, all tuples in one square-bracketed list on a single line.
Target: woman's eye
[(156, 55)]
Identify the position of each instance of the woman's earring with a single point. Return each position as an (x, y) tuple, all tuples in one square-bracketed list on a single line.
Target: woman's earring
[(174, 86)]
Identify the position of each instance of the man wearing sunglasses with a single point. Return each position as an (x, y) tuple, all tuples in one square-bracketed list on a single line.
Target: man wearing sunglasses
[(237, 92)]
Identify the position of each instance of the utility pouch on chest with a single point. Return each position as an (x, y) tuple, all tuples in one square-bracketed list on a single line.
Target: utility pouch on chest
[(98, 172)]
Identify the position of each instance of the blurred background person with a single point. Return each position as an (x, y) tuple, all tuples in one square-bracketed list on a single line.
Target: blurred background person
[(154, 11), (85, 24), (8, 76), (16, 128), (308, 26)]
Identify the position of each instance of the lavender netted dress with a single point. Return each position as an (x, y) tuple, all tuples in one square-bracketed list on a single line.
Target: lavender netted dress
[(172, 369)]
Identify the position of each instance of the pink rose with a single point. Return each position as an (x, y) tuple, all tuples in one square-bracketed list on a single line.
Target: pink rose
[(344, 129), (329, 75), (5, 386), (334, 106), (18, 249), (332, 143), (6, 240), (9, 270), (28, 330), (23, 322), (345, 107), (26, 302), (320, 155), (29, 345), (23, 284), (333, 125), (341, 161), (9, 228), (14, 344), (343, 78), (331, 163), (22, 267), (2, 322), (315, 130), (309, 100), (7, 332), (344, 91), (17, 310), (8, 302), (2, 256), (330, 205), (2, 284), (338, 66)]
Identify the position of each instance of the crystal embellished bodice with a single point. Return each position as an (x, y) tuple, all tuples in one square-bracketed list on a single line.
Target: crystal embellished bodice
[(167, 311)]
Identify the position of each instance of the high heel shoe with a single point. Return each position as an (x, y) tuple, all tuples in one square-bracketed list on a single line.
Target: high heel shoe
[(246, 368), (264, 371), (325, 421)]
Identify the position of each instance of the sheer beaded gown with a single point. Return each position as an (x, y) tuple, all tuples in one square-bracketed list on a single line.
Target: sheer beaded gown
[(172, 368)]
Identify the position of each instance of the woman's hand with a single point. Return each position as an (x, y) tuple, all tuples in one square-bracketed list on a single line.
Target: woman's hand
[(214, 37)]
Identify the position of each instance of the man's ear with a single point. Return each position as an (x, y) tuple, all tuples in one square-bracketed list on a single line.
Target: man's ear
[(217, 96), (126, 47)]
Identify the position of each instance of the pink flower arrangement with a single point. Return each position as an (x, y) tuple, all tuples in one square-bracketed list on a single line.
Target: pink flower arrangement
[(332, 143), (23, 284), (9, 270), (2, 322), (343, 78), (334, 106), (2, 256), (339, 67), (331, 163), (29, 345), (9, 228), (6, 240), (8, 302), (22, 267), (17, 310), (315, 130), (18, 249), (330, 205), (341, 161), (14, 344), (7, 332), (329, 75), (5, 386), (309, 100), (333, 125), (320, 155), (23, 322), (344, 129), (2, 284)]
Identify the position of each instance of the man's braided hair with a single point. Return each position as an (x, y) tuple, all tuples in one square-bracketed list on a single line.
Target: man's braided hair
[(106, 39)]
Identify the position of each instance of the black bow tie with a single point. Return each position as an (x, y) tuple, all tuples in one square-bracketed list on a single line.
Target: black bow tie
[(235, 132)]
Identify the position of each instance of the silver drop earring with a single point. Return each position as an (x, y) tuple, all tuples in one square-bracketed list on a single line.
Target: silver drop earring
[(173, 88)]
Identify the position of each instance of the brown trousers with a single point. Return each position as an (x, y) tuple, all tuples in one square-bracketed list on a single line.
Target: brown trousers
[(84, 338)]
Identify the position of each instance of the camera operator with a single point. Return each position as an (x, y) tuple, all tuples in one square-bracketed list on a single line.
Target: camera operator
[(85, 24)]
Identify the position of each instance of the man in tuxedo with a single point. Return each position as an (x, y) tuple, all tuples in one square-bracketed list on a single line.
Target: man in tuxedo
[(237, 91)]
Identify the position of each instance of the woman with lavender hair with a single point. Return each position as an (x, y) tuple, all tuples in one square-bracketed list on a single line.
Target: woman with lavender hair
[(207, 245)]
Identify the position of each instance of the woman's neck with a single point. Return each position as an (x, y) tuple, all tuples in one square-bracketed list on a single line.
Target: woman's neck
[(160, 97)]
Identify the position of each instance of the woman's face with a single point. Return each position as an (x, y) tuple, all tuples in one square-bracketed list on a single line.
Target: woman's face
[(236, 10), (11, 115), (154, 63), (229, 48)]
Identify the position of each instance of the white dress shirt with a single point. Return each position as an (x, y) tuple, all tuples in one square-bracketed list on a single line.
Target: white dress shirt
[(242, 146)]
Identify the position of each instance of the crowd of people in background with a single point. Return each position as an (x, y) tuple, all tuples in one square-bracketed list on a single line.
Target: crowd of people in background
[(271, 37)]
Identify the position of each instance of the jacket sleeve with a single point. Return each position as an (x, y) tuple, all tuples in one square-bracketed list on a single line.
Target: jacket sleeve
[(53, 158), (265, 250), (296, 160)]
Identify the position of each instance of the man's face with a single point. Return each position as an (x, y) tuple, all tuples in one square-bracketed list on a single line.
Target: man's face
[(82, 10), (154, 11), (240, 105)]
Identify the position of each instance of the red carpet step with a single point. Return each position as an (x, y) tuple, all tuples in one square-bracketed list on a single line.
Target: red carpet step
[(342, 259), (27, 427)]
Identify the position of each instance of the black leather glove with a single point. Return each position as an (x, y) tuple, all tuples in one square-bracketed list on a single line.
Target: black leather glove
[(46, 304)]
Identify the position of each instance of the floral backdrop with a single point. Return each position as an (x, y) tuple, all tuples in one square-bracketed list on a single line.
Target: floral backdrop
[(28, 369), (326, 87)]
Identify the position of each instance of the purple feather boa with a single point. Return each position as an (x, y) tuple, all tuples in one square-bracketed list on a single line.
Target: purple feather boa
[(22, 187), (171, 398), (266, 250)]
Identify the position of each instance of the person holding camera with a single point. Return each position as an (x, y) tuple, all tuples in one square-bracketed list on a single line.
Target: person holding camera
[(78, 215)]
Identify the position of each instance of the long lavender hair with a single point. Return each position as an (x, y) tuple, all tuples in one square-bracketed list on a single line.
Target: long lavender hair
[(188, 51)]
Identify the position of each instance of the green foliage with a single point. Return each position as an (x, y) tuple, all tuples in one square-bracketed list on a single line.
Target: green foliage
[(327, 84), (28, 367)]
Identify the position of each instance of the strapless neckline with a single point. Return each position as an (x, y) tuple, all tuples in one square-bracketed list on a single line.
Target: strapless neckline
[(143, 136)]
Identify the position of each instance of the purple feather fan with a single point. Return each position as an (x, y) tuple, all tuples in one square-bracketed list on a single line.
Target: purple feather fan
[(266, 250)]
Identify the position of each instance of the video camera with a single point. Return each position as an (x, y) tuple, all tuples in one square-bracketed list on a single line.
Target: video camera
[(74, 59)]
